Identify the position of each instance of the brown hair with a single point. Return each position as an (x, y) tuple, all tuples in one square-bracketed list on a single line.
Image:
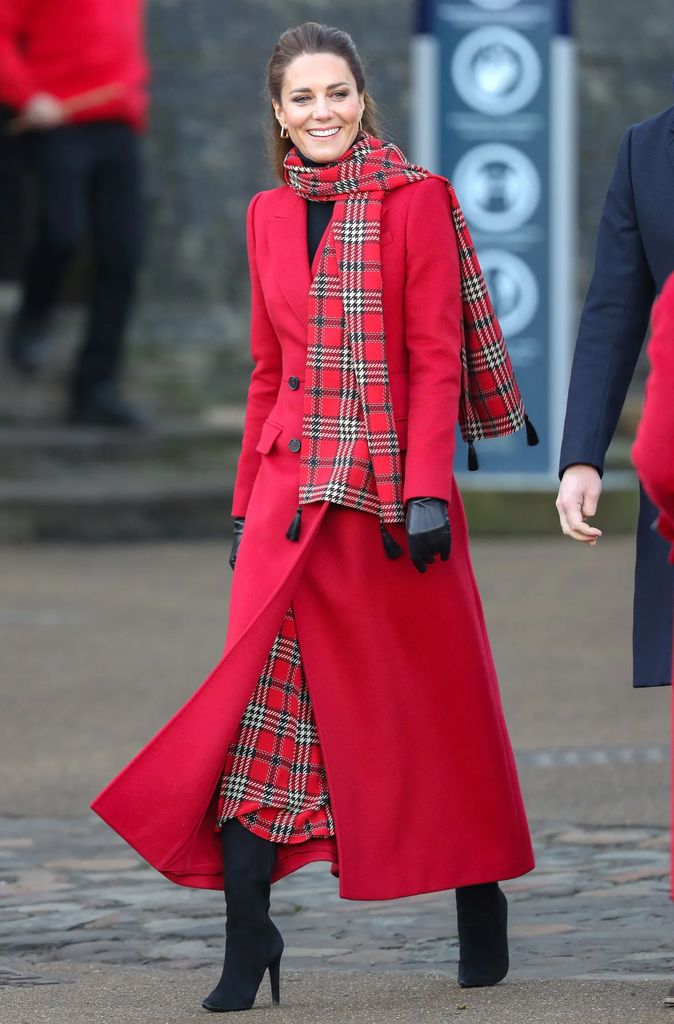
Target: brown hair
[(311, 38)]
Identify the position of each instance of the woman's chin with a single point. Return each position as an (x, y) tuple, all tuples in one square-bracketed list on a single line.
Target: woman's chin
[(325, 153)]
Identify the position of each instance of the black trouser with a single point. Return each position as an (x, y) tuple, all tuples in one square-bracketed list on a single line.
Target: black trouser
[(88, 180)]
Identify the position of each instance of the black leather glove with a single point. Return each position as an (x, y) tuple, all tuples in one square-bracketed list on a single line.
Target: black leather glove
[(237, 530), (428, 532)]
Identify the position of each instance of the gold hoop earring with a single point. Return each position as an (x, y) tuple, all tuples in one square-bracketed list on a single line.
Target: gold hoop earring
[(285, 134), (360, 125)]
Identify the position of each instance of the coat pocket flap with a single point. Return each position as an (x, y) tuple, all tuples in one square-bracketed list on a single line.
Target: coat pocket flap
[(268, 434)]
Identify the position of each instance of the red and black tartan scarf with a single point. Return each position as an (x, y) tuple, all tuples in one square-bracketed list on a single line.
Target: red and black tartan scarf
[(350, 452)]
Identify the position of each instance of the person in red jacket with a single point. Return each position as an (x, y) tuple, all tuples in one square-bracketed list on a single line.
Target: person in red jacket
[(653, 450), (75, 74)]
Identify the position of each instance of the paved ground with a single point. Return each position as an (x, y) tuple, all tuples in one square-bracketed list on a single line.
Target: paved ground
[(100, 995), (99, 645), (596, 907)]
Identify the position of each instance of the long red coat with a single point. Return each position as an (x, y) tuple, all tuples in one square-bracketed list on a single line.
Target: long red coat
[(653, 451), (422, 780)]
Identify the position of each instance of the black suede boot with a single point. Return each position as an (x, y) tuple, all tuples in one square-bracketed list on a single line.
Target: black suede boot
[(253, 944), (482, 913)]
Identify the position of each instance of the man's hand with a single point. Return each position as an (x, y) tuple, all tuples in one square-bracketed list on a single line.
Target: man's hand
[(578, 497), (42, 111)]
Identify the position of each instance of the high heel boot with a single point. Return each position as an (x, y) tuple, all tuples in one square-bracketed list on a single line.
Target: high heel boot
[(253, 944), (482, 913)]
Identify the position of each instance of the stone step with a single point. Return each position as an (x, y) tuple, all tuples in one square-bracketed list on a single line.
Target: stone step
[(174, 480), (128, 508), (50, 449)]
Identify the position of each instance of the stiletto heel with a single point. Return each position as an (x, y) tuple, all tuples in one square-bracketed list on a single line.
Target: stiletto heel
[(275, 980), (253, 943)]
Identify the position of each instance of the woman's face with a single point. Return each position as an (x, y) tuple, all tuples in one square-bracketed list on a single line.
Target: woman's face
[(320, 105)]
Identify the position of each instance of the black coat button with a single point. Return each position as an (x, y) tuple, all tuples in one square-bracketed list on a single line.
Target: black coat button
[(294, 444), (293, 383)]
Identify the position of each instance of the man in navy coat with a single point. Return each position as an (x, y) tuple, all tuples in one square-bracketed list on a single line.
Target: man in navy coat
[(635, 254)]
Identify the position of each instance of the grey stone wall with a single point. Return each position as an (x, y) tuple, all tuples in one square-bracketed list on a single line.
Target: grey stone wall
[(206, 158), (206, 148)]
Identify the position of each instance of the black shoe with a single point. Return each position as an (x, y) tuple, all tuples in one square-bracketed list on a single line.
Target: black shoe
[(103, 406), (25, 342), (253, 943), (482, 912)]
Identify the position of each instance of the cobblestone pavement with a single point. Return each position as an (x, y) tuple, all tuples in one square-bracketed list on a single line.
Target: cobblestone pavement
[(596, 907)]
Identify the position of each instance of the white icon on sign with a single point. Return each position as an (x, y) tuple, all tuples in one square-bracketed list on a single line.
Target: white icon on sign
[(495, 5), (496, 70), (513, 289), (498, 187)]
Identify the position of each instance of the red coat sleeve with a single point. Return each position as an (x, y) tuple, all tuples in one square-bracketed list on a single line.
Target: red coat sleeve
[(653, 450), (433, 340), (265, 379), (16, 83)]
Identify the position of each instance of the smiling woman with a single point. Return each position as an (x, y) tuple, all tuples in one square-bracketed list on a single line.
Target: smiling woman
[(355, 715), (320, 106), (318, 96)]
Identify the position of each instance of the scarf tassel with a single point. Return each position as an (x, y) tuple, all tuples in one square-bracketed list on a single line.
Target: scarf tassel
[(391, 546), (293, 532), (532, 440), (532, 436)]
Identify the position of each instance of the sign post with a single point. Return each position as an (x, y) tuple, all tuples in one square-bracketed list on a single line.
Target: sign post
[(493, 110)]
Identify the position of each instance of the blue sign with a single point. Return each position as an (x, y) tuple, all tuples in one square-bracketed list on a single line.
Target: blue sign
[(504, 137)]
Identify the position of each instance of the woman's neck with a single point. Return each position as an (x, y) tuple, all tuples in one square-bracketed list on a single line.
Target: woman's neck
[(306, 160)]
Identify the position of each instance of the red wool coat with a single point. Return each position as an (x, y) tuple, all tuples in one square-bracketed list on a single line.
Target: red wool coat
[(653, 451), (422, 780)]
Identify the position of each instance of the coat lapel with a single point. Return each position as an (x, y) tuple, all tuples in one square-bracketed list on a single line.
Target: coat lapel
[(287, 235)]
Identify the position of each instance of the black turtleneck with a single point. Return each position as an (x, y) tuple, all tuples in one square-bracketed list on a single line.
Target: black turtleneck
[(318, 217)]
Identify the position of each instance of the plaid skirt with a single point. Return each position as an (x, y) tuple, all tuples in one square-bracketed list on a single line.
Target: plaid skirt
[(274, 779)]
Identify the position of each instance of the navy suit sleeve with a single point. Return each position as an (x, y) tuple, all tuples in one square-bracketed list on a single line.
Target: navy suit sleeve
[(612, 325)]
